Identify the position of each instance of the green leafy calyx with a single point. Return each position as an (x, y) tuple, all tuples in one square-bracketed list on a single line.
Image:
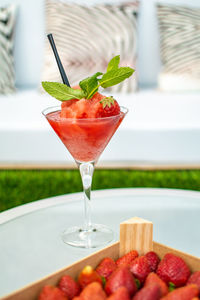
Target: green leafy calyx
[(108, 101), (90, 85)]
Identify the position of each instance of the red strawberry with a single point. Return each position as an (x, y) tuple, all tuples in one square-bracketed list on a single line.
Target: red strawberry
[(51, 293), (127, 258), (93, 291), (149, 292), (121, 277), (153, 260), (195, 278), (69, 286), (140, 268), (88, 275), (120, 294), (106, 267), (183, 293), (173, 269), (109, 107), (153, 278)]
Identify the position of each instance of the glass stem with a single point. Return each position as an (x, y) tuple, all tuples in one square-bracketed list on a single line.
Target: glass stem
[(86, 171)]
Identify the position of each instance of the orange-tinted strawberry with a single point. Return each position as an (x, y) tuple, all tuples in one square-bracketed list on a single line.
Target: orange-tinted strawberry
[(121, 277), (173, 269), (183, 293), (140, 268), (51, 293), (195, 298), (120, 294), (153, 278), (149, 292), (69, 286), (87, 276), (106, 267), (195, 278), (153, 260), (93, 291), (127, 258)]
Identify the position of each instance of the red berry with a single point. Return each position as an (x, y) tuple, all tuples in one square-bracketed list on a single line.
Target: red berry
[(153, 278), (195, 278), (153, 260), (87, 276), (183, 293), (108, 108), (120, 294), (140, 268), (51, 293), (127, 258), (121, 277), (173, 269), (93, 291), (150, 292), (69, 286), (106, 267)]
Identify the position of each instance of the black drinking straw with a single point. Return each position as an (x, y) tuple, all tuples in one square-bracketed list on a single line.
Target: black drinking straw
[(60, 66)]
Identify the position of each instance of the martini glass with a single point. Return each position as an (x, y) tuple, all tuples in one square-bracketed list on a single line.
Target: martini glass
[(85, 139)]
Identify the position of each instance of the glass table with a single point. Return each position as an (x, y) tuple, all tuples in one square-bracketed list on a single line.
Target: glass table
[(31, 247)]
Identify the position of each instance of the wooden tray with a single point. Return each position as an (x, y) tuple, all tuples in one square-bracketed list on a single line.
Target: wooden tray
[(135, 234)]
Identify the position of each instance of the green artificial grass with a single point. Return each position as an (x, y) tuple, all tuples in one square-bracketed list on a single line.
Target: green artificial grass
[(19, 187)]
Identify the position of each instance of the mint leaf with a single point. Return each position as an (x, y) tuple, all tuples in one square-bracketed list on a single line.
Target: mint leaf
[(113, 63), (115, 76), (61, 91), (90, 85)]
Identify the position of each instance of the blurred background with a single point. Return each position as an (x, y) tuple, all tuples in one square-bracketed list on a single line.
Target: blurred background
[(158, 144)]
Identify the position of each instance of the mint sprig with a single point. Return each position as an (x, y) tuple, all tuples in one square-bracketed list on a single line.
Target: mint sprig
[(61, 91), (90, 85)]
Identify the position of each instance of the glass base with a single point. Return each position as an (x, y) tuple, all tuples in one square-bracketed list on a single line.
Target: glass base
[(96, 236)]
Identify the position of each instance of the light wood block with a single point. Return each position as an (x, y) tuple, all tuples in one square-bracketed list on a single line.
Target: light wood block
[(137, 234)]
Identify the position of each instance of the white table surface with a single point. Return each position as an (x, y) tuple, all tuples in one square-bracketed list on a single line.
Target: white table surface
[(30, 243)]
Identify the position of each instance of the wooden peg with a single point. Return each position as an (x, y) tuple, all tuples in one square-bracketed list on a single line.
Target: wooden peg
[(136, 234)]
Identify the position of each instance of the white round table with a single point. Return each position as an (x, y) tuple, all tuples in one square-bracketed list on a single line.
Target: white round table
[(31, 246)]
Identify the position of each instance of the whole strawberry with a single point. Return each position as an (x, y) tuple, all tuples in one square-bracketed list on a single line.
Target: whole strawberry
[(153, 260), (153, 278), (150, 292), (173, 269), (121, 277), (93, 291), (109, 107), (51, 293), (106, 267), (69, 286), (195, 278), (127, 258), (120, 294), (183, 293), (87, 276), (140, 268)]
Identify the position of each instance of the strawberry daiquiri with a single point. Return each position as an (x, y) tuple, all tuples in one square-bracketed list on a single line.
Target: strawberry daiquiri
[(85, 122)]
